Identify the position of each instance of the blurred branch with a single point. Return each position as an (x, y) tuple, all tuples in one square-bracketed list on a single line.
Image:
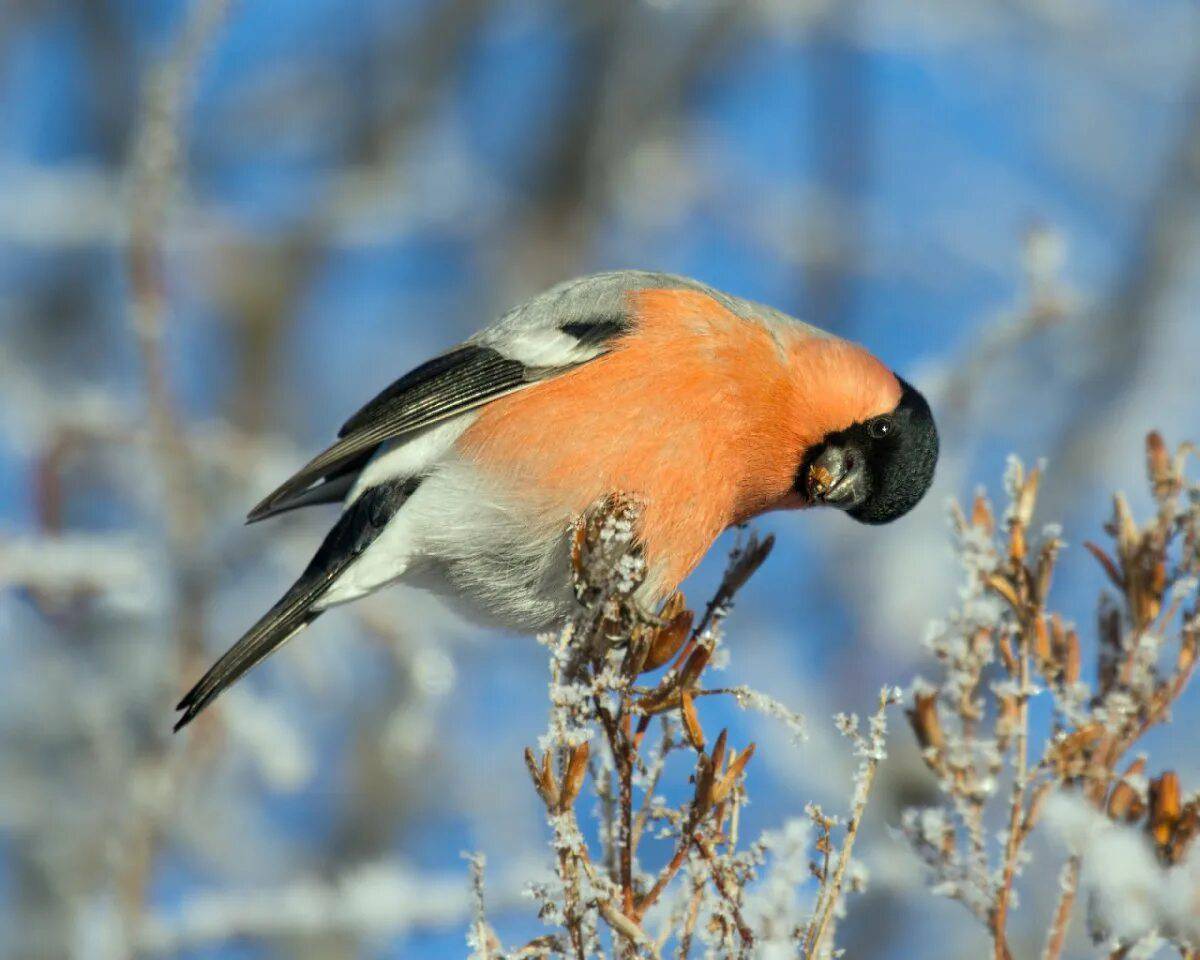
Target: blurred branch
[(840, 106), (263, 279), (1048, 302), (155, 170), (635, 68), (369, 901), (156, 163), (1118, 339), (73, 563)]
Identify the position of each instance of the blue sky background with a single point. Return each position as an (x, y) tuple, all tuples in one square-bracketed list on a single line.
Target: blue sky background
[(364, 185)]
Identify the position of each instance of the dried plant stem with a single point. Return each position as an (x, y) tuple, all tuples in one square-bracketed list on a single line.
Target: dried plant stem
[(689, 923), (726, 892), (831, 892), (666, 875), (831, 888), (573, 914), (1016, 819), (743, 564), (625, 801), (1069, 884), (652, 781), (617, 733)]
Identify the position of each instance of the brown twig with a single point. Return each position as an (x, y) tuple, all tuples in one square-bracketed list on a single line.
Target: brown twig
[(830, 894), (1016, 819), (1068, 884)]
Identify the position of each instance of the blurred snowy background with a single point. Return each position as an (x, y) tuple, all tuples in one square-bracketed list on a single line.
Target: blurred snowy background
[(1001, 199)]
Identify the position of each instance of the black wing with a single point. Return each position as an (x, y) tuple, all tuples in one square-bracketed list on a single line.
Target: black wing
[(437, 390), (453, 383)]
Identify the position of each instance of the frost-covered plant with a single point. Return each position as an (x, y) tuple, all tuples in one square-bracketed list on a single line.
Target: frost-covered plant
[(1003, 648), (736, 900)]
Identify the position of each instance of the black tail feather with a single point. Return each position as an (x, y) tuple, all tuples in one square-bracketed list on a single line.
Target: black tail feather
[(283, 621), (355, 530)]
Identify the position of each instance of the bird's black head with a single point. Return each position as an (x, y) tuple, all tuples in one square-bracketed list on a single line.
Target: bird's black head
[(877, 470)]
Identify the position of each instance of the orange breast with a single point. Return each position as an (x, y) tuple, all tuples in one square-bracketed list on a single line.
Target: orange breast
[(701, 415)]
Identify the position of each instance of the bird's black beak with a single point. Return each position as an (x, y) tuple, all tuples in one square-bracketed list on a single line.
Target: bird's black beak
[(837, 477)]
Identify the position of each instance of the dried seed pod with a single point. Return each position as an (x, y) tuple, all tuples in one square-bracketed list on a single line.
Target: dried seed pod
[(658, 701), (1165, 807), (1125, 527), (1108, 630), (1041, 645), (923, 717), (718, 751), (1036, 802), (638, 647), (1003, 586), (543, 778), (573, 780), (1058, 634), (1027, 497), (1107, 564), (1072, 661), (691, 723), (820, 480), (1125, 803), (1071, 752), (694, 667), (981, 514), (1186, 829), (666, 695), (1160, 468), (1045, 570), (578, 539), (1018, 547), (1158, 459), (668, 640), (737, 766), (1103, 753), (748, 559), (1156, 587), (704, 777), (675, 605)]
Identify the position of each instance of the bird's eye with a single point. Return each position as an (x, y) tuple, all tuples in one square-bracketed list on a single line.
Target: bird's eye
[(879, 428)]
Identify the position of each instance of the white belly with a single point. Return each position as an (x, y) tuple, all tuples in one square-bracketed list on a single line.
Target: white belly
[(492, 556)]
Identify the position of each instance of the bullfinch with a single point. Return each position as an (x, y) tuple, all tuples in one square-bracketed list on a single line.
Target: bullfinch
[(467, 474)]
